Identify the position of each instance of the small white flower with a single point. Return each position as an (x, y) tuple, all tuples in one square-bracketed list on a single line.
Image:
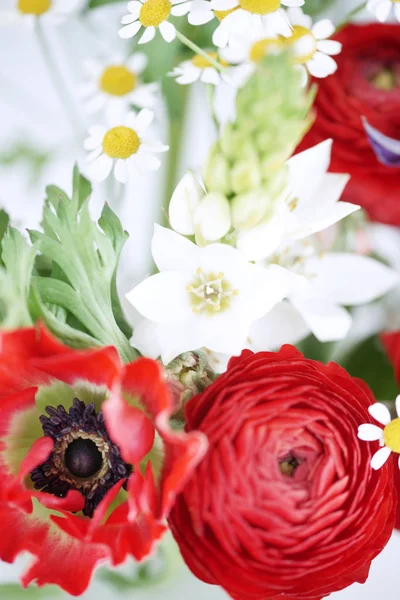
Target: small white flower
[(388, 437), (27, 11), (251, 47), (203, 297), (152, 14), (310, 44), (115, 84), (238, 17), (382, 8), (199, 68), (309, 204), (123, 146)]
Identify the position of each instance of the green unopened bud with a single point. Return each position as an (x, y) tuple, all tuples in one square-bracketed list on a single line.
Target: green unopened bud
[(245, 176), (236, 144), (188, 375), (213, 217), (216, 174), (250, 208)]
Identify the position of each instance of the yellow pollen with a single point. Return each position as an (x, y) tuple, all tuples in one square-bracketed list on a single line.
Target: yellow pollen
[(260, 7), (117, 81), (221, 14), (201, 62), (154, 12), (262, 47), (391, 435), (304, 44), (121, 142), (34, 7)]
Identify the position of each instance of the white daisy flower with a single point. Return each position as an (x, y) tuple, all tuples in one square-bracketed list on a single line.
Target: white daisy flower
[(382, 8), (152, 14), (240, 16), (123, 146), (312, 49), (27, 11), (388, 437), (252, 46), (199, 68), (115, 84), (203, 297)]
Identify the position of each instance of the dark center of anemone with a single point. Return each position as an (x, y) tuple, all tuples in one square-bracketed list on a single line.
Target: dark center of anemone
[(84, 457), (288, 465)]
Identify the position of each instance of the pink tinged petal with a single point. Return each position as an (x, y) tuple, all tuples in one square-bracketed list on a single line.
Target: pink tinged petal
[(380, 413), (200, 17), (38, 453), (121, 171), (128, 427), (129, 30), (162, 298), (323, 29), (370, 433), (331, 47), (321, 65), (148, 35), (168, 31), (380, 457)]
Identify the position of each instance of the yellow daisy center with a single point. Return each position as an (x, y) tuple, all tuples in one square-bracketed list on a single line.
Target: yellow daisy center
[(304, 44), (201, 62), (154, 12), (34, 7), (117, 81), (121, 142), (210, 293), (391, 435), (261, 48), (260, 7), (221, 14)]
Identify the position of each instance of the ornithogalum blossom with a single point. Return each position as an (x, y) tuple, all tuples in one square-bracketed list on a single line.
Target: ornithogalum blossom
[(89, 466), (204, 296)]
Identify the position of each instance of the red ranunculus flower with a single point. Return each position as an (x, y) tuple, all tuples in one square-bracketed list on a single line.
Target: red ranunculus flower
[(366, 84), (89, 467), (285, 503)]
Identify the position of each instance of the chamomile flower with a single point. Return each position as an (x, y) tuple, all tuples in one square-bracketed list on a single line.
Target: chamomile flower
[(152, 14), (251, 47), (115, 84), (388, 437), (199, 68), (382, 8), (27, 11), (311, 47), (240, 16), (123, 147)]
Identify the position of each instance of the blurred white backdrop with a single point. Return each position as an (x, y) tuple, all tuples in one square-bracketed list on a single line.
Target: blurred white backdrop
[(31, 115)]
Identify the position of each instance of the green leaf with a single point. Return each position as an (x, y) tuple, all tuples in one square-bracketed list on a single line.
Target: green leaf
[(15, 278), (314, 7), (97, 3), (4, 222), (82, 283), (13, 591)]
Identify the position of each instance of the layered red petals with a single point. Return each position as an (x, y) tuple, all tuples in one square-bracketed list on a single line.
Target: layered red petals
[(66, 546), (285, 503), (353, 92)]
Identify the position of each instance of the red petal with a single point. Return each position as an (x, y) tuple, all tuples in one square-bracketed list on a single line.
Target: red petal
[(145, 378), (129, 428), (391, 341), (38, 453), (73, 501)]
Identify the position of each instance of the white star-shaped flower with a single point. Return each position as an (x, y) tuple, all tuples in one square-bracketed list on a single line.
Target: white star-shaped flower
[(382, 9), (204, 297), (388, 437)]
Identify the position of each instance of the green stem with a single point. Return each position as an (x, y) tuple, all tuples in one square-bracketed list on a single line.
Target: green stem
[(58, 82), (351, 14), (198, 50)]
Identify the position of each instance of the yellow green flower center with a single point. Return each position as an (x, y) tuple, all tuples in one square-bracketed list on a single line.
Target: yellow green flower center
[(121, 142), (201, 62), (117, 80), (262, 47), (154, 12), (260, 7), (210, 293), (34, 7), (391, 435), (221, 14), (385, 79), (304, 44)]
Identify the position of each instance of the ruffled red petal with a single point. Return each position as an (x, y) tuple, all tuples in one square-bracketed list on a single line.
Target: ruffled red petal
[(391, 341)]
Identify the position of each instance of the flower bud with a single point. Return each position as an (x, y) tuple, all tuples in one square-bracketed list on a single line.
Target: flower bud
[(245, 176), (250, 208), (213, 217), (216, 174)]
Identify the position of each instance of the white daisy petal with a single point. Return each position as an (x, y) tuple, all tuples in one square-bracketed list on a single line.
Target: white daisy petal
[(221, 36), (369, 433), (137, 62), (100, 168), (143, 119), (382, 10), (129, 30), (210, 75), (127, 19), (134, 6), (331, 47), (321, 65), (380, 457), (293, 2), (397, 11), (200, 17), (168, 31), (180, 9), (380, 413), (148, 35), (223, 4), (398, 406), (94, 154), (323, 29), (121, 171)]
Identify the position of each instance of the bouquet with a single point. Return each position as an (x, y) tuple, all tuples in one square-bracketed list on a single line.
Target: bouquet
[(238, 389)]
